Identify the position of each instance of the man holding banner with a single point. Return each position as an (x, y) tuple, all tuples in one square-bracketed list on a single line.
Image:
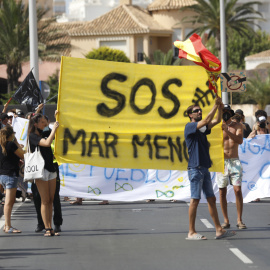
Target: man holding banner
[(199, 164)]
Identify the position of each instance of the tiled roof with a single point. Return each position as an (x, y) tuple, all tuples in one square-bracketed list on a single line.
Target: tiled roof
[(170, 4), (64, 38), (123, 20), (258, 55)]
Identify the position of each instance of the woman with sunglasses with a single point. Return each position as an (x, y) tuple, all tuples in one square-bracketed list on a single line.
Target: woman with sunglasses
[(10, 155)]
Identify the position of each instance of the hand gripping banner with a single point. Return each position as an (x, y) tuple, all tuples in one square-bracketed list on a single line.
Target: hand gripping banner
[(124, 115)]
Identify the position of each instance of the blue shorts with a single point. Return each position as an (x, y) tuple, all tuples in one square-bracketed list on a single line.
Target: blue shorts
[(200, 180), (8, 181)]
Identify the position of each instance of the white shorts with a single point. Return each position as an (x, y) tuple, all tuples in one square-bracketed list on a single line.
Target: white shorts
[(48, 175)]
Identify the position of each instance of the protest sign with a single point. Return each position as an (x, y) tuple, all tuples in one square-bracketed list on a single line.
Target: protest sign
[(85, 181), (125, 115), (233, 82), (20, 126)]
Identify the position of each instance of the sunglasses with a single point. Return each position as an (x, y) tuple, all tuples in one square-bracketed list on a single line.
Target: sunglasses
[(197, 110)]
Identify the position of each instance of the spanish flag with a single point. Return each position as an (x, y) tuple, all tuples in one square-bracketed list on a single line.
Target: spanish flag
[(193, 49)]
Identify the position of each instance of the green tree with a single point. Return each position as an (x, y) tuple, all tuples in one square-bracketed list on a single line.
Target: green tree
[(161, 58), (53, 39), (238, 17), (14, 39), (238, 47), (108, 54), (14, 33), (53, 82), (258, 90)]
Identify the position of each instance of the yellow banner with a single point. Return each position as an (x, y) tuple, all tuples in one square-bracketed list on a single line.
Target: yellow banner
[(124, 115)]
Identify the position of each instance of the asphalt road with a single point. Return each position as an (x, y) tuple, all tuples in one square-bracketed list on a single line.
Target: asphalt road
[(134, 236)]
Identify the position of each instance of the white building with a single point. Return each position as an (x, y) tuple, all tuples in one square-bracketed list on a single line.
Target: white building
[(88, 10), (264, 9)]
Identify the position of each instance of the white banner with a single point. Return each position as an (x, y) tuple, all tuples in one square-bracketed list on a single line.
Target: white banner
[(20, 126), (85, 181)]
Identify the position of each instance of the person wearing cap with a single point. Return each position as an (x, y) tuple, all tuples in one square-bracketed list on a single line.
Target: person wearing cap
[(260, 127), (232, 138), (246, 127), (19, 113), (10, 117), (196, 132)]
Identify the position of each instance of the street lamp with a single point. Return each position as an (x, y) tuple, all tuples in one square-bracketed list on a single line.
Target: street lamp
[(223, 49), (33, 39)]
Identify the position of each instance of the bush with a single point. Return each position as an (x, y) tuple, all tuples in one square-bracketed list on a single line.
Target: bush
[(108, 54)]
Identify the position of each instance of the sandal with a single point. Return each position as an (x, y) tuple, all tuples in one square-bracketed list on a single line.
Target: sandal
[(49, 232), (225, 225), (240, 225), (12, 230)]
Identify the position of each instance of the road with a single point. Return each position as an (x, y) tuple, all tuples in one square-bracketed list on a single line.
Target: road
[(135, 236)]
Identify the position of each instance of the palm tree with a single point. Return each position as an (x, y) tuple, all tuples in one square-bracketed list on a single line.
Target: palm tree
[(161, 58), (258, 90), (14, 38), (239, 18)]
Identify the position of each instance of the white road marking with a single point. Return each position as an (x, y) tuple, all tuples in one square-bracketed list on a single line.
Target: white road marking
[(16, 206), (240, 255), (207, 223)]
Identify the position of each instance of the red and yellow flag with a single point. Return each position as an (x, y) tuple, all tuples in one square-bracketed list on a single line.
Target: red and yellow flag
[(193, 49)]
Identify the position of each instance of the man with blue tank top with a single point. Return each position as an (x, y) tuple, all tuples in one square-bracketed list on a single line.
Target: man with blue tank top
[(198, 166)]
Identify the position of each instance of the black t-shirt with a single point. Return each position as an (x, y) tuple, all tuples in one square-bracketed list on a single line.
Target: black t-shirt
[(247, 131), (46, 152), (9, 164)]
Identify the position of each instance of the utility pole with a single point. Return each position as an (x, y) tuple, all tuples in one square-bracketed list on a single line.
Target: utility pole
[(33, 38), (223, 49)]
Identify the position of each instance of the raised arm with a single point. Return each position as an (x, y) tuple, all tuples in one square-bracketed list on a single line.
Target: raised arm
[(218, 117), (210, 115), (5, 108), (48, 141), (39, 108)]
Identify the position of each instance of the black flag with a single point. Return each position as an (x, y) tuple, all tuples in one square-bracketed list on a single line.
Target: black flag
[(28, 93)]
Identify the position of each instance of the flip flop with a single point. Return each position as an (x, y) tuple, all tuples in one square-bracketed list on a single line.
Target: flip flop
[(12, 230), (226, 234), (241, 225), (196, 236), (225, 225)]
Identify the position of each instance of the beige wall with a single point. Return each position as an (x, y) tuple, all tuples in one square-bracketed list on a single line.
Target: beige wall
[(173, 19), (82, 45)]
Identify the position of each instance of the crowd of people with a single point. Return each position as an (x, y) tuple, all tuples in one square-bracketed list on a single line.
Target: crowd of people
[(45, 191)]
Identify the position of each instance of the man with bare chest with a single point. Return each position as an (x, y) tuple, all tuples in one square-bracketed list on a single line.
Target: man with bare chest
[(232, 137)]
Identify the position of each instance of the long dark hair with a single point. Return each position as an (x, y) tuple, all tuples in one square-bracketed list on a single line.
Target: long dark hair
[(5, 133), (34, 120)]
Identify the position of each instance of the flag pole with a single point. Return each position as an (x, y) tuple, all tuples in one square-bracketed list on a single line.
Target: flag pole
[(48, 100), (223, 49), (33, 39)]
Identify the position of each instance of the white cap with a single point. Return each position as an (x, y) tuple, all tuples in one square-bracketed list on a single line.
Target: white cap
[(262, 118), (10, 113)]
